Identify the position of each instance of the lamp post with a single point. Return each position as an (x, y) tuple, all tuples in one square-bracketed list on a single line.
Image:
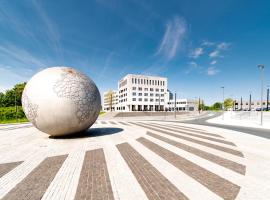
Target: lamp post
[(223, 105), (267, 101), (175, 105), (261, 67), (16, 110)]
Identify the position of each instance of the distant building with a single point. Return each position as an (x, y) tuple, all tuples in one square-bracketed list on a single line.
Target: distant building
[(245, 105), (110, 100), (142, 93), (182, 105)]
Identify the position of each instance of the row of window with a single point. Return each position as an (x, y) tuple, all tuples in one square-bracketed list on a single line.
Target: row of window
[(182, 102), (146, 89), (145, 99), (146, 94), (147, 82)]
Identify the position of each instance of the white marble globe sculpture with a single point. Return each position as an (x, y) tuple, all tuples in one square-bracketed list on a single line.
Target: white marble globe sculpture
[(60, 101)]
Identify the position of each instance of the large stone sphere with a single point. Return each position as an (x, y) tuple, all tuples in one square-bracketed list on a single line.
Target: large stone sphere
[(61, 101)]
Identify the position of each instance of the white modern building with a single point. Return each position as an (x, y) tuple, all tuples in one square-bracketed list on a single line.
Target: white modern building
[(110, 100), (182, 105), (142, 93)]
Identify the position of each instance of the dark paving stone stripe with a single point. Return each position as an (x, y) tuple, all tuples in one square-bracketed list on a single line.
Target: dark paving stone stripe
[(36, 183), (94, 180), (222, 187), (7, 167), (214, 146), (183, 128), (239, 168), (194, 135), (112, 122), (126, 124), (103, 122), (154, 184)]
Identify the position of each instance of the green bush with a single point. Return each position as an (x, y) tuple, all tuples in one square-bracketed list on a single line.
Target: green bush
[(9, 113)]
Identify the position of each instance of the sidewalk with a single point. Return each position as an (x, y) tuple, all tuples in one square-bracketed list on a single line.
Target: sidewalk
[(243, 118)]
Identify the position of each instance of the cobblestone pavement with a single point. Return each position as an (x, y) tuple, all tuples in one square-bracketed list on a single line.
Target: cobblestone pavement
[(135, 161)]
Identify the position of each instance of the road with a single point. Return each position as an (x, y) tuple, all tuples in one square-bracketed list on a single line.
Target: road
[(265, 133)]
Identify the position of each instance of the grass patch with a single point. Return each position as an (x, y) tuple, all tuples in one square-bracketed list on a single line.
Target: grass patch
[(101, 113), (8, 121)]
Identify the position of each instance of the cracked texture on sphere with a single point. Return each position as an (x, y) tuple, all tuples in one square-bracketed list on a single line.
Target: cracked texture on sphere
[(61, 101), (74, 85)]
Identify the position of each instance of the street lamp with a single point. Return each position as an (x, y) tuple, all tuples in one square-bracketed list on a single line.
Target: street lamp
[(261, 67), (223, 107)]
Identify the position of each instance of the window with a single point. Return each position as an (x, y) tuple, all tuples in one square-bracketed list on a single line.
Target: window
[(145, 89), (152, 89), (140, 99), (145, 94), (162, 95), (158, 82), (145, 99), (138, 81), (157, 100), (135, 81), (157, 95), (134, 93), (162, 90), (133, 99), (144, 81), (162, 100), (157, 90), (140, 94), (155, 82), (151, 100), (132, 80), (147, 82), (151, 94), (140, 89), (134, 88)]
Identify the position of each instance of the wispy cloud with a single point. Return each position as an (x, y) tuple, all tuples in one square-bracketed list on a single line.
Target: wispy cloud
[(223, 46), (213, 62), (211, 71), (207, 43), (9, 77), (173, 38), (12, 52), (193, 66), (214, 54), (107, 64), (196, 53)]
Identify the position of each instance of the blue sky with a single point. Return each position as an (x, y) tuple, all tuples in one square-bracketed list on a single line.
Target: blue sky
[(199, 45)]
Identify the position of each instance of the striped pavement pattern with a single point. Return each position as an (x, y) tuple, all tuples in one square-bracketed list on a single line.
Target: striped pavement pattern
[(168, 162)]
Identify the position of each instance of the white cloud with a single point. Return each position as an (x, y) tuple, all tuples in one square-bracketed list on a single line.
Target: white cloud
[(211, 71), (195, 53), (223, 46), (21, 55), (213, 62), (173, 38), (214, 54), (207, 43), (192, 66)]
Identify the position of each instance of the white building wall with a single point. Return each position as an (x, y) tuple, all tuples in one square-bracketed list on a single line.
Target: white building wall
[(142, 93)]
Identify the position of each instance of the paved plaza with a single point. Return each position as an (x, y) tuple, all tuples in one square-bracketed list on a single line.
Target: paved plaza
[(121, 159)]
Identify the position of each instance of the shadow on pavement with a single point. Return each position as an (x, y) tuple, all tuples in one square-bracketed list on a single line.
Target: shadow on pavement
[(92, 132)]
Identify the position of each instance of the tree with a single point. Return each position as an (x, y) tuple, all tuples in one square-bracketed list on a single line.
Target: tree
[(228, 103), (217, 106), (8, 98)]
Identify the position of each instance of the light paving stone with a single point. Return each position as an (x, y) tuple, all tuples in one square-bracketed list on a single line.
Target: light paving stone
[(215, 168), (191, 188)]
